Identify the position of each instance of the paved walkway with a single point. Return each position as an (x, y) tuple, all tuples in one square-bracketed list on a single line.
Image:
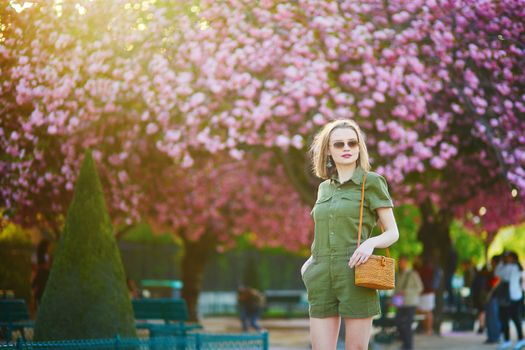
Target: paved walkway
[(293, 334)]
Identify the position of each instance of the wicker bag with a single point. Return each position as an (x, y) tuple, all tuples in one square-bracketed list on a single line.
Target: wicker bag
[(378, 272)]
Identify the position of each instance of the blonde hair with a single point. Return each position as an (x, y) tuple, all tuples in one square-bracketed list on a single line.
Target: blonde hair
[(320, 146)]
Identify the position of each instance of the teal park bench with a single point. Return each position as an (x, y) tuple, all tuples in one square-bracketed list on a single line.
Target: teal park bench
[(14, 316), (172, 312), (287, 299)]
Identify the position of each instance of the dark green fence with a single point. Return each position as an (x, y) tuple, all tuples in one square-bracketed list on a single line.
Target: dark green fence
[(196, 341)]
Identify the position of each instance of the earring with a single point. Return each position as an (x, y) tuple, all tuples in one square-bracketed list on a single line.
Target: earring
[(329, 163)]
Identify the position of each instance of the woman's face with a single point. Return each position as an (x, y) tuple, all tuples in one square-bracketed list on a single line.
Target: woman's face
[(343, 146)]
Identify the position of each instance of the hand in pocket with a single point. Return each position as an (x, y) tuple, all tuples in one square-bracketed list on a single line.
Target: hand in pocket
[(305, 265)]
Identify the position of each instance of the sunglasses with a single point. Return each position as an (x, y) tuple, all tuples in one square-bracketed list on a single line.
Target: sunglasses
[(341, 144)]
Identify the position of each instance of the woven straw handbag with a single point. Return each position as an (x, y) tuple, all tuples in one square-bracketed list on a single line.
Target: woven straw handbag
[(378, 272)]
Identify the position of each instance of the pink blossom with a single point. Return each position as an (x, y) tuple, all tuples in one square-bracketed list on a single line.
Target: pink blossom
[(379, 97), (14, 136), (364, 112), (297, 141), (152, 128), (400, 17), (471, 79), (281, 111), (282, 141), (318, 119), (52, 129)]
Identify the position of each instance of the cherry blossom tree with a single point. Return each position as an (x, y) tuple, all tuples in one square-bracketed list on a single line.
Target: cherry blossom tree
[(217, 200), (52, 114)]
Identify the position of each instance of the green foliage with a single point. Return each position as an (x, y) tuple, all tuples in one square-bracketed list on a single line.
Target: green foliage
[(86, 295), (15, 260), (408, 222), (509, 238), (143, 233), (468, 245)]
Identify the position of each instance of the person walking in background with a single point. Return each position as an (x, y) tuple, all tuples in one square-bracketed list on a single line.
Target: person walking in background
[(251, 303), (492, 321), (516, 260), (427, 300), (254, 306), (406, 297), (479, 290), (450, 270), (242, 303), (509, 274)]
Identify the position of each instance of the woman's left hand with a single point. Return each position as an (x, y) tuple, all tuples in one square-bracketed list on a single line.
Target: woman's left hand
[(362, 253)]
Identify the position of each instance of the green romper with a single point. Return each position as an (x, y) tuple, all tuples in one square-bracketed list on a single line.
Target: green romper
[(328, 279)]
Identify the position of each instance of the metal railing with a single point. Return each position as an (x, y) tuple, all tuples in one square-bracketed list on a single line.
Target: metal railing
[(194, 341)]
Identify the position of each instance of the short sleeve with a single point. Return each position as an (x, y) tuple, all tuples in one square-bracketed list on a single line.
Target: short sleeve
[(321, 189), (377, 193), (318, 195)]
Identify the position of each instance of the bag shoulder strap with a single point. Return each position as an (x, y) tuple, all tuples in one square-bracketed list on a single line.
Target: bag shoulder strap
[(361, 216)]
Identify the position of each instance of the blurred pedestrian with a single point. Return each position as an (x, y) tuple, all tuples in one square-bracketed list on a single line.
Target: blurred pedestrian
[(242, 303), (492, 321), (251, 304), (509, 273), (255, 306), (427, 299), (406, 298), (480, 289), (449, 271), (516, 260)]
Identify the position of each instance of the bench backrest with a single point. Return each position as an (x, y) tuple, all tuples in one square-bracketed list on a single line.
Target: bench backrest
[(167, 309), (284, 297), (13, 310)]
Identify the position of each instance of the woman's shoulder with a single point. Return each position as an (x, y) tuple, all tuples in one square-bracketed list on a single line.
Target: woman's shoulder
[(374, 178), (373, 175), (323, 185), (323, 188)]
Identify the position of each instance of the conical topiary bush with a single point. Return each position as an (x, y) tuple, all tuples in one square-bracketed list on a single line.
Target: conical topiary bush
[(86, 295)]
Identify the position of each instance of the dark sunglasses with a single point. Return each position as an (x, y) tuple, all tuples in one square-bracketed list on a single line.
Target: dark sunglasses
[(341, 144)]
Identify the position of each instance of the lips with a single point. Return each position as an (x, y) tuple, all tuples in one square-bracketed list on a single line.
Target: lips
[(347, 156)]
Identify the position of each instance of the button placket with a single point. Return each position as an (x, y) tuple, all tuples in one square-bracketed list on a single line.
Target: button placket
[(331, 224)]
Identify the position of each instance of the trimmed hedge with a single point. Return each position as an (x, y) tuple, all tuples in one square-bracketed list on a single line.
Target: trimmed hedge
[(86, 295)]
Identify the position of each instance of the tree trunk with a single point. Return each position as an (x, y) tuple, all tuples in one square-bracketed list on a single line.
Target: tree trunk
[(434, 233), (196, 255), (297, 169)]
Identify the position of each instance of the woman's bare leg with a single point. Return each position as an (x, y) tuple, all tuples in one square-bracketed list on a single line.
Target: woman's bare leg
[(324, 332), (358, 332)]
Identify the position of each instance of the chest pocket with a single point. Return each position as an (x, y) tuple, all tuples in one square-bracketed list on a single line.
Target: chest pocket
[(349, 203), (321, 209)]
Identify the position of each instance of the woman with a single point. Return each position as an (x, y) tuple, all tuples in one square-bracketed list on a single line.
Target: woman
[(340, 157)]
